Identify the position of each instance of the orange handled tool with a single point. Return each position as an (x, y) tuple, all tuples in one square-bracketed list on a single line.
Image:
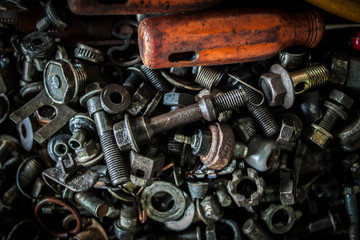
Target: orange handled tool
[(121, 7), (224, 37)]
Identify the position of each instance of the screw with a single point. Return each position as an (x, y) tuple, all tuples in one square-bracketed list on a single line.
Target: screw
[(352, 210), (254, 231), (92, 203), (261, 114), (135, 78), (224, 198), (29, 170), (113, 158), (128, 216), (81, 127), (245, 128), (209, 77), (154, 76), (141, 130), (271, 194)]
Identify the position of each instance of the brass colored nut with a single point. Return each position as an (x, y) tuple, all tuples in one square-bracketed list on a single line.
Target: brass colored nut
[(318, 135), (239, 197)]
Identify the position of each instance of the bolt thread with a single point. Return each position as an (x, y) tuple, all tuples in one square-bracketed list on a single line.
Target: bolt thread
[(132, 82), (208, 77), (92, 204), (10, 195), (234, 99), (353, 212), (247, 124), (329, 120), (223, 197), (158, 82), (88, 53), (318, 76), (114, 160), (189, 235), (271, 194), (261, 114), (151, 150), (128, 215), (29, 173), (80, 76)]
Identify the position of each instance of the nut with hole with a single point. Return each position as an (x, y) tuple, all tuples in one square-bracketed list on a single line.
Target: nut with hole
[(246, 190), (115, 98), (279, 218)]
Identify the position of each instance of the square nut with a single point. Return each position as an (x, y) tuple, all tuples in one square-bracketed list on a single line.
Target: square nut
[(318, 135), (144, 168)]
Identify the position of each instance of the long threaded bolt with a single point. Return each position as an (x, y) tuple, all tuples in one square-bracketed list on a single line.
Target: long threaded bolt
[(208, 77), (154, 76), (92, 204), (310, 78), (254, 231), (129, 134), (114, 160), (261, 114), (352, 210)]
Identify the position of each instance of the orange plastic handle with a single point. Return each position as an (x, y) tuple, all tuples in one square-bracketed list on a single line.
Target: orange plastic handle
[(224, 37), (120, 7)]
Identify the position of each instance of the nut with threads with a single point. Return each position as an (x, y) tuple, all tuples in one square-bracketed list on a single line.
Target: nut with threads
[(130, 134), (246, 190), (279, 226), (280, 86)]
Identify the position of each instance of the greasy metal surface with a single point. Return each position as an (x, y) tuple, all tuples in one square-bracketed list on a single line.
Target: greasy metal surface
[(169, 41), (222, 146), (63, 114), (119, 7)]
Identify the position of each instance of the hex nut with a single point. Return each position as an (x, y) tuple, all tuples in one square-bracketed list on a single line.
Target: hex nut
[(60, 81), (339, 68), (318, 135), (209, 209), (342, 98), (286, 132), (168, 191), (115, 98), (279, 227), (287, 192), (273, 88), (144, 168), (239, 198)]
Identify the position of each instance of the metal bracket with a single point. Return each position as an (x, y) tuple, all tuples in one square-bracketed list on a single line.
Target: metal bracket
[(62, 117), (68, 174)]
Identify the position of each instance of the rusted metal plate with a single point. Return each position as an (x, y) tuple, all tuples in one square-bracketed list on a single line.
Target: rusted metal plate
[(225, 37), (121, 7)]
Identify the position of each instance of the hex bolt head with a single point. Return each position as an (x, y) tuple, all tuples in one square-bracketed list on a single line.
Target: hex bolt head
[(63, 80)]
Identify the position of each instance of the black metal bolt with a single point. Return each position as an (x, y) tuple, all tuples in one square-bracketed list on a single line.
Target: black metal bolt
[(135, 78), (114, 160), (352, 210), (154, 76)]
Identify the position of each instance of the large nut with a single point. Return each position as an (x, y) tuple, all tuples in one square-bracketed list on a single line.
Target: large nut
[(342, 98), (273, 88), (163, 201), (144, 168), (318, 135), (185, 221), (240, 188), (286, 133), (279, 226)]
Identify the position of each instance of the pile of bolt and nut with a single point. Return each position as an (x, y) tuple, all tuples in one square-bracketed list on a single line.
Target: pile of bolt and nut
[(95, 145)]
